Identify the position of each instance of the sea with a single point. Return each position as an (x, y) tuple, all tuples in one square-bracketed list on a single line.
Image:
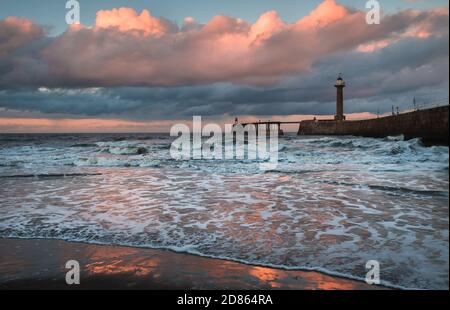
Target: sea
[(330, 205)]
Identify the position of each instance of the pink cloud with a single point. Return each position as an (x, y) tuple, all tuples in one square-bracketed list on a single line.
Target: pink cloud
[(127, 48), (326, 13), (423, 28), (17, 32), (128, 20), (18, 125), (268, 25)]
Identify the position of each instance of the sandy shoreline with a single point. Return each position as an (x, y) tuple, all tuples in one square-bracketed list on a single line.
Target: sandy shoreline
[(40, 264)]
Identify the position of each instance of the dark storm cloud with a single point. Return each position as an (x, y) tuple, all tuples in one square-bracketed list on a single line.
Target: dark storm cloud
[(376, 81)]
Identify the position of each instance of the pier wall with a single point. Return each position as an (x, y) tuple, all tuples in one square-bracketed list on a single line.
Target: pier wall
[(431, 125)]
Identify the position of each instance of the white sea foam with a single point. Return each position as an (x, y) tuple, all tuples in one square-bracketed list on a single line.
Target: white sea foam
[(332, 204)]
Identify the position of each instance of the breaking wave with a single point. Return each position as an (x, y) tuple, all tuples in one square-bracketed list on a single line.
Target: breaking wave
[(331, 204)]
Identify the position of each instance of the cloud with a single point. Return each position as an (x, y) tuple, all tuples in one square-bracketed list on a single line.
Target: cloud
[(15, 33), (326, 13), (389, 76), (126, 48), (127, 20), (138, 67)]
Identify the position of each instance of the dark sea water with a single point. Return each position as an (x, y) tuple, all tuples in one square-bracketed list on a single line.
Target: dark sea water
[(332, 204)]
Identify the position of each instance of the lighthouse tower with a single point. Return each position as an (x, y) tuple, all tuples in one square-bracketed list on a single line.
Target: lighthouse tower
[(340, 84)]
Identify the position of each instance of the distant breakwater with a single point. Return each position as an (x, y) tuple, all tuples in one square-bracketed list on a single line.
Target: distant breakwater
[(431, 125)]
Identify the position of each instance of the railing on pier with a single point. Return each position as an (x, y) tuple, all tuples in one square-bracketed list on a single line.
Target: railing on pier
[(415, 106)]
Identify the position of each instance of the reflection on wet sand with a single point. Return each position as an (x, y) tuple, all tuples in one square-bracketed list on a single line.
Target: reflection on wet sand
[(134, 268)]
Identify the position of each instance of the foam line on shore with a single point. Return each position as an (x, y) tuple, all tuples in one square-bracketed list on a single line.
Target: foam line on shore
[(185, 250)]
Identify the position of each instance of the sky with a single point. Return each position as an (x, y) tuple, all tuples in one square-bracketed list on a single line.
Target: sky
[(146, 65)]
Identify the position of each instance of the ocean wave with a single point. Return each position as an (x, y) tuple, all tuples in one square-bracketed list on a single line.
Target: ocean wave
[(368, 153), (329, 205), (104, 162), (290, 171), (10, 163), (49, 175), (123, 147), (84, 145), (116, 162), (393, 189), (395, 138), (401, 189), (347, 142), (128, 150)]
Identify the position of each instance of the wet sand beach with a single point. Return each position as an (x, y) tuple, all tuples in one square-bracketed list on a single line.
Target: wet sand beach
[(40, 264)]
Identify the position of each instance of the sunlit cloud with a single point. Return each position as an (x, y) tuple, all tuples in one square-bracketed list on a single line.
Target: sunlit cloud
[(128, 48), (136, 67)]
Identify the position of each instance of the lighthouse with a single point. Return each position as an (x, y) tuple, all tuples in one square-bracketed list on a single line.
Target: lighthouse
[(340, 84)]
